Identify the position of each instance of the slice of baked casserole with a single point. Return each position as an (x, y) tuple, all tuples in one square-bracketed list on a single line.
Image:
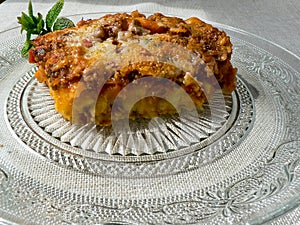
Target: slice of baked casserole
[(89, 66)]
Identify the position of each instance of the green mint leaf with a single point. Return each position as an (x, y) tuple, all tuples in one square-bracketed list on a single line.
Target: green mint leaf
[(53, 14), (62, 23), (26, 48), (40, 23), (24, 51), (28, 37), (27, 45), (30, 10), (19, 21), (26, 22)]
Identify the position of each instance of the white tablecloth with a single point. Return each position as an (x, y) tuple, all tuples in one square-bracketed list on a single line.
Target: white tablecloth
[(277, 21)]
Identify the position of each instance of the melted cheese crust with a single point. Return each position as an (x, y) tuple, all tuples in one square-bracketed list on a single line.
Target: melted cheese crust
[(99, 58)]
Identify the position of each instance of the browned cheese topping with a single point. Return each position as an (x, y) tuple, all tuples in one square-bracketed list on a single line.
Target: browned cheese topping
[(102, 56)]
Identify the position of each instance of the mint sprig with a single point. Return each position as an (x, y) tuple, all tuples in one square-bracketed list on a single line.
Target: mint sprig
[(53, 14), (36, 25), (62, 22)]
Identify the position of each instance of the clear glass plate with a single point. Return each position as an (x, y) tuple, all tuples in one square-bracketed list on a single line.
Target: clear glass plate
[(241, 166)]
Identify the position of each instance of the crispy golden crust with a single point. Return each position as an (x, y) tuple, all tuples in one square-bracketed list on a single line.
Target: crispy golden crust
[(64, 59)]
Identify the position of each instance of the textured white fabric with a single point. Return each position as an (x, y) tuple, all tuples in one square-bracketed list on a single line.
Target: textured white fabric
[(277, 21)]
